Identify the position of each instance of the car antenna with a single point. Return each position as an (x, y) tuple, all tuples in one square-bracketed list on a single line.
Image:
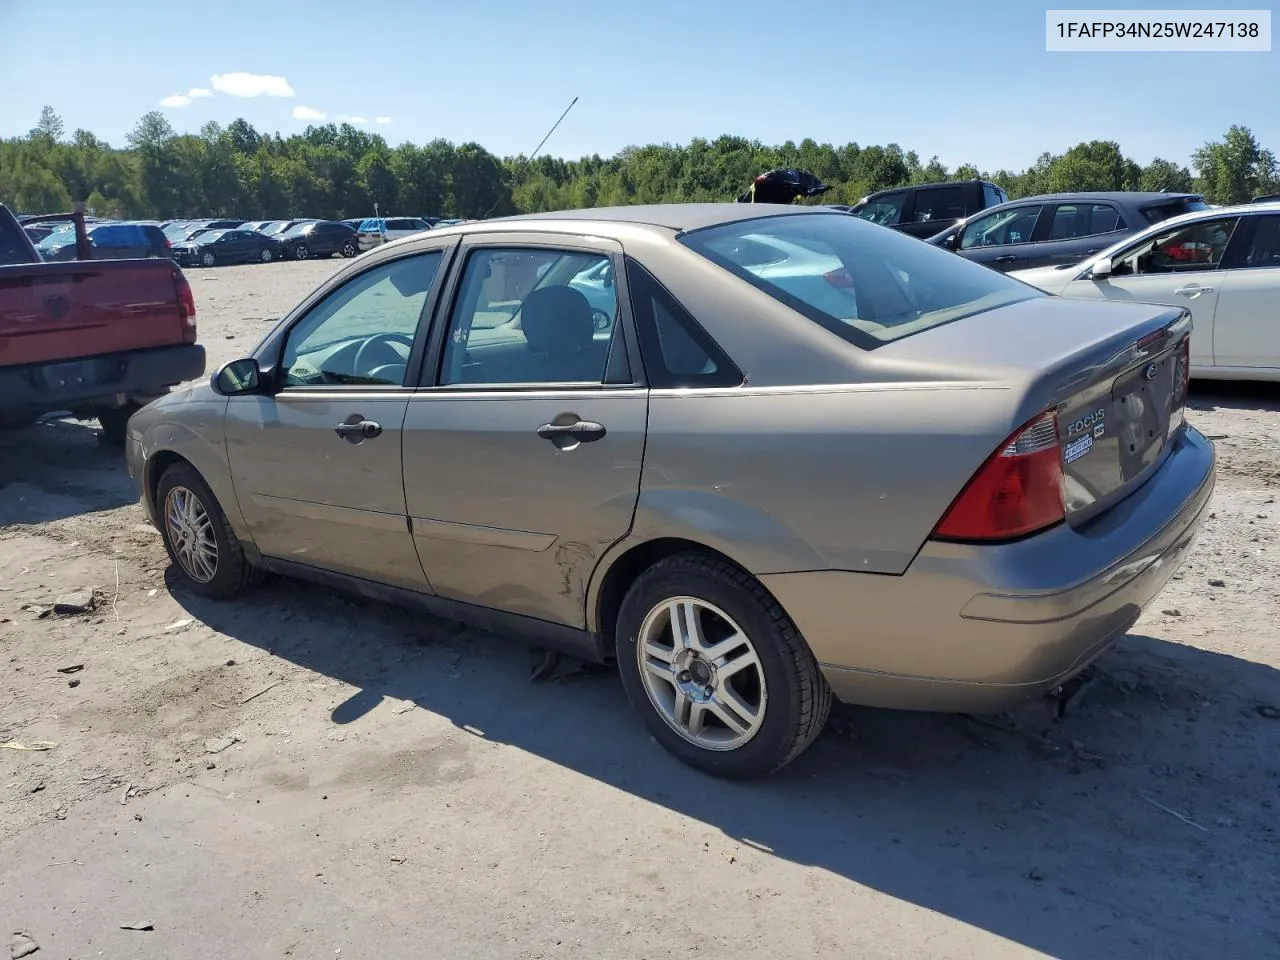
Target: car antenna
[(535, 151)]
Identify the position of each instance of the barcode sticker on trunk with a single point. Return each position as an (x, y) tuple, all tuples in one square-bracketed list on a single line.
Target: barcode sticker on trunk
[(1077, 448)]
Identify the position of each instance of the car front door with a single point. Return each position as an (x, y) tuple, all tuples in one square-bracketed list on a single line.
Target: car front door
[(1246, 327), (317, 463), (234, 244), (1001, 239), (523, 452), (1181, 267)]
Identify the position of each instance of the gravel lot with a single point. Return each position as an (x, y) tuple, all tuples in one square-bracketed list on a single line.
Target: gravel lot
[(302, 774)]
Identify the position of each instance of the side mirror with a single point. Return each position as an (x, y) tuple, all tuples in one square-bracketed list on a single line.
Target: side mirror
[(951, 242), (1100, 270), (237, 378)]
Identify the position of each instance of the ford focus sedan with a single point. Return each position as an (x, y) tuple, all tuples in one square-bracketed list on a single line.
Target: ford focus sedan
[(808, 459)]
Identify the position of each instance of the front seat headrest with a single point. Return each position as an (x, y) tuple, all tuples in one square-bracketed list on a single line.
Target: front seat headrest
[(557, 321)]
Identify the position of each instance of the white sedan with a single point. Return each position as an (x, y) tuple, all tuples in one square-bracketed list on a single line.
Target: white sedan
[(1222, 264)]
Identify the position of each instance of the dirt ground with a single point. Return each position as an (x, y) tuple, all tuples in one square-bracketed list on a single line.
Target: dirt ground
[(303, 774)]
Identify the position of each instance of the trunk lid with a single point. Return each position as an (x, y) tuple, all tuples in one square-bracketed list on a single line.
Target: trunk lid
[(1114, 373), (63, 311)]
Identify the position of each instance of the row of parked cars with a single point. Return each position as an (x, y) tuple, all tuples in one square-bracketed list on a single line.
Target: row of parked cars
[(1221, 263), (215, 242)]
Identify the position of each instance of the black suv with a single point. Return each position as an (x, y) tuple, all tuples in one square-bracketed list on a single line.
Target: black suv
[(927, 208), (1059, 228)]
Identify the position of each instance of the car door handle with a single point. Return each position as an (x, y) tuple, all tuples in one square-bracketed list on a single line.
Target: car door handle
[(1007, 258), (1193, 290), (584, 431), (355, 429)]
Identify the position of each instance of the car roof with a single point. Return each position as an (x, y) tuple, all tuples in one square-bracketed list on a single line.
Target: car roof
[(679, 217), (1115, 196)]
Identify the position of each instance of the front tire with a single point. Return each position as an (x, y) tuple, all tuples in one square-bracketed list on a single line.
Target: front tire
[(198, 537), (208, 259), (717, 670)]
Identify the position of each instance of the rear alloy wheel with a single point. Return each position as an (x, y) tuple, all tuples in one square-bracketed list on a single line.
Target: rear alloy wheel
[(717, 670), (300, 252), (208, 259), (198, 537), (266, 256), (349, 249)]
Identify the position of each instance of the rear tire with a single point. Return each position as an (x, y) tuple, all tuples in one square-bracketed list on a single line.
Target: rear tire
[(266, 256), (778, 700), (115, 423), (349, 249), (300, 252), (191, 518)]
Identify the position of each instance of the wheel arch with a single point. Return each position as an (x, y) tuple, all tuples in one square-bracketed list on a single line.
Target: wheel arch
[(616, 574)]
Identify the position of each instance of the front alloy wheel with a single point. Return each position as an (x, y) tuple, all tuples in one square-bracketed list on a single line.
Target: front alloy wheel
[(190, 530), (208, 259)]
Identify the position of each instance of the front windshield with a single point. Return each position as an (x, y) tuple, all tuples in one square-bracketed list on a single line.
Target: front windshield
[(867, 284)]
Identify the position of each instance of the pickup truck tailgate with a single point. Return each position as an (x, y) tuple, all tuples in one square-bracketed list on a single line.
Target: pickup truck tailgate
[(87, 308)]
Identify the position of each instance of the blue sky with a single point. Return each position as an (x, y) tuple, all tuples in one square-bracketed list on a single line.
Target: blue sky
[(971, 83)]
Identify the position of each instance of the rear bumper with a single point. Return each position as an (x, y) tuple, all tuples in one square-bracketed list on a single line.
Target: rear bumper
[(980, 628), (102, 379)]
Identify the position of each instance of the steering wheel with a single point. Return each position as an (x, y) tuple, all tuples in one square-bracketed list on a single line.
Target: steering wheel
[(601, 320), (368, 357)]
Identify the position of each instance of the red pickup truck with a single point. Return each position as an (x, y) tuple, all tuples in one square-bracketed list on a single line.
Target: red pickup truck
[(95, 338)]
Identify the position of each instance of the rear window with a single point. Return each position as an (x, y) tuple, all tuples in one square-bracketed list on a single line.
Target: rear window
[(868, 285), (1159, 212)]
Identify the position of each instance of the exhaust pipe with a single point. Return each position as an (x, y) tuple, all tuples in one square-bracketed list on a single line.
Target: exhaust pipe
[(1066, 696)]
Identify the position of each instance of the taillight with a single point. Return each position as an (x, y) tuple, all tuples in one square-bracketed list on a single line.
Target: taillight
[(1018, 491), (186, 305)]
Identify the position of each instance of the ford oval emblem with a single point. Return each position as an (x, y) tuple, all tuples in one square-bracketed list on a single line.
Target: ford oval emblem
[(1151, 371)]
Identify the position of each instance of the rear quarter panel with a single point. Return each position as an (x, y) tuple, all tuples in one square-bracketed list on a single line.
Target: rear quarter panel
[(837, 478)]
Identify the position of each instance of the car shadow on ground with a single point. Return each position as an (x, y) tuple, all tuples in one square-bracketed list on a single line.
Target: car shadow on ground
[(1209, 395), (56, 469), (1132, 828)]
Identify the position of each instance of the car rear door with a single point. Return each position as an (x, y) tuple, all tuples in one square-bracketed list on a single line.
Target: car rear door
[(317, 463), (1182, 267), (1075, 232), (1001, 239), (1246, 327), (523, 448)]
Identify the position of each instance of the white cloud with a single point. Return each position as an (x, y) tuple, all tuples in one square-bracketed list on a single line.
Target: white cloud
[(177, 100), (381, 119), (307, 113), (251, 85), (199, 92), (355, 120)]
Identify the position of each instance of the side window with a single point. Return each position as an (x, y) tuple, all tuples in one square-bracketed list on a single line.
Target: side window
[(1073, 220), (1191, 248), (884, 210), (1264, 251), (1011, 226), (941, 203), (526, 316), (362, 332), (677, 351)]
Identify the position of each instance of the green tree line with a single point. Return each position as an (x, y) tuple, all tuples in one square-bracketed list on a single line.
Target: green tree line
[(341, 171)]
